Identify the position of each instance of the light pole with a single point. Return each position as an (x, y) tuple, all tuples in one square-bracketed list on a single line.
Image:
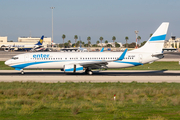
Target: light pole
[(136, 32), (52, 24)]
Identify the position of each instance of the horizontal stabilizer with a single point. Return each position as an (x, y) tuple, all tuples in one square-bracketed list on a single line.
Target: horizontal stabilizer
[(156, 55)]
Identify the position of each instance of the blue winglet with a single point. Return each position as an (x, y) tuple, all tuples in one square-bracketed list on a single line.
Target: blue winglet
[(102, 49), (122, 55)]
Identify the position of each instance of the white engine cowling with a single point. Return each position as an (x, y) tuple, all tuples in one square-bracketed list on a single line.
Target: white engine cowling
[(72, 68)]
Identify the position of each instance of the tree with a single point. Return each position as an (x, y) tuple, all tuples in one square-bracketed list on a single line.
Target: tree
[(94, 45), (109, 45), (78, 43), (113, 38), (117, 45), (69, 42), (101, 39), (132, 45), (106, 42), (63, 37), (97, 42), (73, 44), (139, 38), (83, 44), (150, 35), (75, 37), (143, 43), (126, 41), (66, 45), (88, 38), (89, 43)]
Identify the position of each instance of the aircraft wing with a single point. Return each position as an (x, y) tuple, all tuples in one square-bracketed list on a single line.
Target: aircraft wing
[(103, 63)]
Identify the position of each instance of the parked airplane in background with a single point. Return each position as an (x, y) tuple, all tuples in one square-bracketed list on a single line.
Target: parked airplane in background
[(27, 47), (80, 61), (102, 49)]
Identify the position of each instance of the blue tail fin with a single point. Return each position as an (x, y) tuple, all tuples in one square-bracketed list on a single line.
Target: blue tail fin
[(40, 41), (155, 43)]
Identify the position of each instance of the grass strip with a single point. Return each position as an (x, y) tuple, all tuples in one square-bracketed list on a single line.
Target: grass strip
[(92, 101)]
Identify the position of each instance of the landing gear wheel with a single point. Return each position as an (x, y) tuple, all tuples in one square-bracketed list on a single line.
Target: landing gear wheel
[(22, 72), (90, 72)]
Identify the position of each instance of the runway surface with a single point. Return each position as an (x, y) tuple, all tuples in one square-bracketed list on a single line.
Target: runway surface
[(53, 76)]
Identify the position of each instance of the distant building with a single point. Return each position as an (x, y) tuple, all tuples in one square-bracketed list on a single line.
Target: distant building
[(173, 42), (3, 39), (46, 41)]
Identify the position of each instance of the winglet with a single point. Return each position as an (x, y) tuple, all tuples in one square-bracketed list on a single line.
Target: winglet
[(122, 55), (102, 49), (40, 41)]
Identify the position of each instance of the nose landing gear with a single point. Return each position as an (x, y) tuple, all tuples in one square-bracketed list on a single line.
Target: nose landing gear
[(22, 72)]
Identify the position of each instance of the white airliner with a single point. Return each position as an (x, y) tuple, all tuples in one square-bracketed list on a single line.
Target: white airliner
[(86, 61), (28, 47)]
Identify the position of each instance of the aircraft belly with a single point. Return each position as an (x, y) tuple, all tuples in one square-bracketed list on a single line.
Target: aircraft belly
[(119, 65)]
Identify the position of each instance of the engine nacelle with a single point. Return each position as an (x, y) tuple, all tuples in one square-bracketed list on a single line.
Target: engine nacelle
[(72, 68)]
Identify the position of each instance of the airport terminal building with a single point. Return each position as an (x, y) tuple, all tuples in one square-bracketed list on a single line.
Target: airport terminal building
[(24, 40), (173, 42)]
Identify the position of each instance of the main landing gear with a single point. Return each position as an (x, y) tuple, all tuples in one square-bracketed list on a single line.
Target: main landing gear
[(88, 71), (22, 72)]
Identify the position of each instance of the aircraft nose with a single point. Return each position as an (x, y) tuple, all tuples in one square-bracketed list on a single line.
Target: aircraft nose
[(7, 62)]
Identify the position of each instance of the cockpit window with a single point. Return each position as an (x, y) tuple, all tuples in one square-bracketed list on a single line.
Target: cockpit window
[(14, 58)]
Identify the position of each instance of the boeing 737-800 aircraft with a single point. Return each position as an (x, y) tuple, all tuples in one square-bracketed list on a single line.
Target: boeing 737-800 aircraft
[(80, 61)]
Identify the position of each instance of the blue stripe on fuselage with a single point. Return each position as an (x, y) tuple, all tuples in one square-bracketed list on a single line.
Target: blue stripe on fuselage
[(133, 63), (21, 66)]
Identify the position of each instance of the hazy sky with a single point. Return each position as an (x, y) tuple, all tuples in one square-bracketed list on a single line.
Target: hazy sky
[(94, 18)]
